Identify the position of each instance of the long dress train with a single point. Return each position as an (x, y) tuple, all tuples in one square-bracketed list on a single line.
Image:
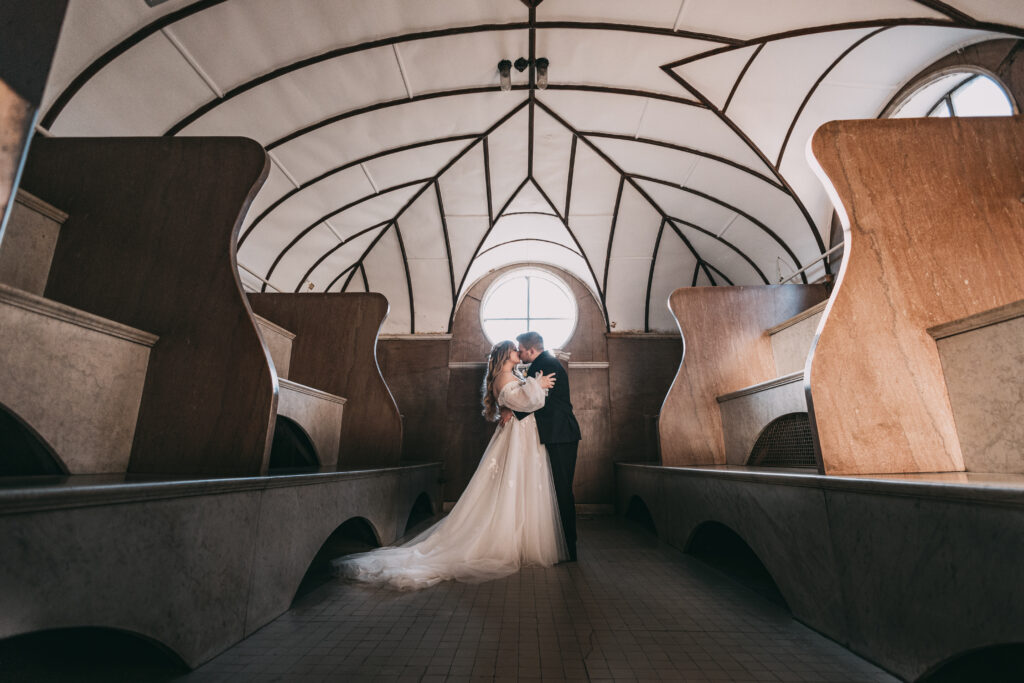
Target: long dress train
[(506, 518)]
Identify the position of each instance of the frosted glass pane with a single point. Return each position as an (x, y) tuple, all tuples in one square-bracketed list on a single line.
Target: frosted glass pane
[(941, 111), (981, 97), (498, 330), (508, 300), (547, 300), (555, 332)]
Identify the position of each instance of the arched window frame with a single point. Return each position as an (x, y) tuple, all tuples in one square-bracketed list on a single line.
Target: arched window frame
[(530, 272)]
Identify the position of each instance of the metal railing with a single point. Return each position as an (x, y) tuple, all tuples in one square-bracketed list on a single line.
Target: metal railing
[(824, 256)]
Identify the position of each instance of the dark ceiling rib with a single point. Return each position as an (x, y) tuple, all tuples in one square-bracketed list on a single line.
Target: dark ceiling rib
[(447, 241), (781, 242), (529, 239), (950, 11), (652, 30), (487, 183), (720, 274), (814, 88), (623, 175), (590, 267), (113, 53), (366, 280), (476, 252), (650, 277), (351, 267), (686, 150), (611, 231), (552, 214), (302, 233), (673, 221), (336, 247), (572, 167), (451, 162), (761, 155), (696, 274), (533, 88), (743, 72), (609, 90), (408, 276), (338, 169)]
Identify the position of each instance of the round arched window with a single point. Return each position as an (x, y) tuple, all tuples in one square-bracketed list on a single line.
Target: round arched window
[(529, 299), (957, 93)]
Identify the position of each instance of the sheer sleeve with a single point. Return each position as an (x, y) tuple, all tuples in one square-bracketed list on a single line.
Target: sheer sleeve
[(524, 397)]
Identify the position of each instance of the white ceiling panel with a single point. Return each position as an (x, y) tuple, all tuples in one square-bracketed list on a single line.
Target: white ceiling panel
[(997, 11), (679, 204), (142, 93), (647, 159), (582, 57), (382, 207), (288, 274), (465, 233), (286, 104), (719, 255), (586, 111), (327, 271), (637, 226), (365, 134), (433, 294), (658, 13), (423, 162), (462, 186), (592, 233), (552, 143), (627, 291), (753, 18), (529, 200), (716, 75), (422, 229), (595, 184), (275, 187), (268, 34), (386, 274), (459, 61), (507, 157), (529, 227)]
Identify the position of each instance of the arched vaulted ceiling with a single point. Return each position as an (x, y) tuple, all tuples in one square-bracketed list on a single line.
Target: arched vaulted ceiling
[(668, 149)]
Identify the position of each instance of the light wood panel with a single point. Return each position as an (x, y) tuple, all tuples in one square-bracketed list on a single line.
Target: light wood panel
[(150, 242), (935, 234), (725, 348), (334, 350)]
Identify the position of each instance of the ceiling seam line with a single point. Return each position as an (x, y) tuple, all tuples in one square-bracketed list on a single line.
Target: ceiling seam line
[(192, 62), (679, 15), (323, 176), (640, 119), (401, 70), (284, 171), (369, 178), (330, 226)]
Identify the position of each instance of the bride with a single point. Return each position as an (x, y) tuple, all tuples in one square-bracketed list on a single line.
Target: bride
[(508, 515)]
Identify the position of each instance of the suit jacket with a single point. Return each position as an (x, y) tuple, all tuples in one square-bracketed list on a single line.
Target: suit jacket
[(555, 421)]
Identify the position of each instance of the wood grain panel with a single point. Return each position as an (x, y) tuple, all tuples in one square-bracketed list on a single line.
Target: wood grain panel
[(416, 372), (725, 348), (641, 370), (934, 234), (150, 242), (335, 350)]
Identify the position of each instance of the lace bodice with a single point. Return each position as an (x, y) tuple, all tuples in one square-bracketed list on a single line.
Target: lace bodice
[(525, 396)]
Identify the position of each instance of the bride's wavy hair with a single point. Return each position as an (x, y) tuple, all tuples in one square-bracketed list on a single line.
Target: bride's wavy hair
[(500, 353)]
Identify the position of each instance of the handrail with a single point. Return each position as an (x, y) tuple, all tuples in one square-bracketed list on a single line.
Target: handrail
[(819, 258), (264, 281)]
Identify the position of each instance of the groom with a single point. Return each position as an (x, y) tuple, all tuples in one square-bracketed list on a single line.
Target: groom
[(557, 427)]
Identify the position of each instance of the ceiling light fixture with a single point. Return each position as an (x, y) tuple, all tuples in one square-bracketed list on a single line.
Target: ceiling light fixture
[(505, 73), (542, 72)]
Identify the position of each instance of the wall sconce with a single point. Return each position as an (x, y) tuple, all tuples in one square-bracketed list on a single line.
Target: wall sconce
[(505, 73), (521, 64)]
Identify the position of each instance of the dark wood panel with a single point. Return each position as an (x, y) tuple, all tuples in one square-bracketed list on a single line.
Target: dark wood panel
[(641, 371), (935, 214), (416, 371), (150, 242), (335, 350)]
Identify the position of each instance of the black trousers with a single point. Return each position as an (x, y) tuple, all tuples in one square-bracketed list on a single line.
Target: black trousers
[(563, 467)]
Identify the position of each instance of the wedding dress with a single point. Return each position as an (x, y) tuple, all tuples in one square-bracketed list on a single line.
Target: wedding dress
[(506, 518)]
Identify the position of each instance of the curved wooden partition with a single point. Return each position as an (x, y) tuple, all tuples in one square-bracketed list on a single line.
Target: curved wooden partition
[(935, 233), (150, 242), (725, 347), (335, 350)]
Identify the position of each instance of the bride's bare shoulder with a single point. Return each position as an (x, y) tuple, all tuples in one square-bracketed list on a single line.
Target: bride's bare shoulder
[(502, 380)]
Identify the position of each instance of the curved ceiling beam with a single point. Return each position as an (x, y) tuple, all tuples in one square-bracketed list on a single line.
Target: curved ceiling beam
[(771, 233), (338, 169), (302, 233), (814, 88), (674, 221), (530, 239), (650, 277), (743, 72), (951, 12), (686, 150), (336, 247)]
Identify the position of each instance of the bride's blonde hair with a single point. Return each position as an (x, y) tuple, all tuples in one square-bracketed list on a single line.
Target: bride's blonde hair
[(500, 353)]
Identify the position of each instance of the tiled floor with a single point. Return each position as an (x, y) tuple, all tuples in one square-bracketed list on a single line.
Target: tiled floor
[(631, 610)]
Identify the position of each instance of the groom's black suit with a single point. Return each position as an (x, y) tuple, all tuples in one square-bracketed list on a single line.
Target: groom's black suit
[(560, 432)]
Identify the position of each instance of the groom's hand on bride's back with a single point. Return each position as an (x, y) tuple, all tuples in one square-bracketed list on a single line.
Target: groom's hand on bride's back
[(546, 381)]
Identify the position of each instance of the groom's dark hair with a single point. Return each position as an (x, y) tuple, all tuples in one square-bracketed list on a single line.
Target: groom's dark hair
[(531, 340)]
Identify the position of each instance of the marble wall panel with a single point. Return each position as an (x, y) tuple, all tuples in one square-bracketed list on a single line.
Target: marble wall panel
[(745, 417), (933, 235), (984, 371), (640, 371), (279, 343), (28, 243), (792, 343), (725, 348), (319, 413), (76, 378)]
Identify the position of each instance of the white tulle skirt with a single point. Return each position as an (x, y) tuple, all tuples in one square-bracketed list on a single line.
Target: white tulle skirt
[(506, 518)]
